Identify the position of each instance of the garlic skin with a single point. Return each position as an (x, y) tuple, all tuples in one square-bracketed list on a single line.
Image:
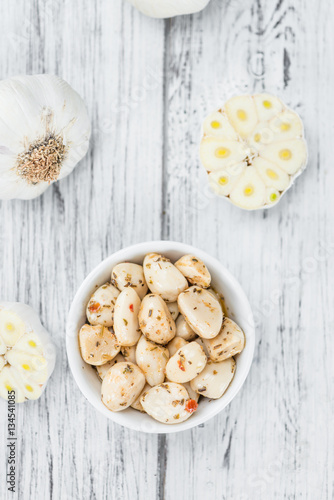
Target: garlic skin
[(168, 8), (44, 133), (29, 357)]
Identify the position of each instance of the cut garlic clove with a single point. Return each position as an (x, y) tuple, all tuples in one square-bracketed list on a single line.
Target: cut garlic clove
[(223, 181), (241, 112), (217, 154), (30, 343), (10, 381), (217, 124), (267, 106), (29, 357), (30, 366), (261, 136), (271, 174), (98, 344), (285, 126), (250, 190), (32, 390), (272, 196), (290, 156), (11, 327)]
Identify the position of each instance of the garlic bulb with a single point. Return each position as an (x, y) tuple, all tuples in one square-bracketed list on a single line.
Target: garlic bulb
[(27, 354), (44, 133), (169, 8), (253, 149)]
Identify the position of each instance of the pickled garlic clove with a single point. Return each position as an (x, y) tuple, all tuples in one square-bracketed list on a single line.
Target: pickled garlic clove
[(267, 106), (11, 327), (217, 124), (271, 174)]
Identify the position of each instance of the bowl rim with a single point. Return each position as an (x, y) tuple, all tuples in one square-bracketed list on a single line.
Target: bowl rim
[(142, 248)]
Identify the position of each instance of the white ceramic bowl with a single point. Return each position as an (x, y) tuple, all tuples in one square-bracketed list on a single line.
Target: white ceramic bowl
[(238, 309)]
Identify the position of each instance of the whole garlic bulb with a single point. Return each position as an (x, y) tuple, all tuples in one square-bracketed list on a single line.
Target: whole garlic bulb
[(44, 133), (27, 354), (169, 8)]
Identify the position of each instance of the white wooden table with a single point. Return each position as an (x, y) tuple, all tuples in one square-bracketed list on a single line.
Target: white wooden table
[(148, 84)]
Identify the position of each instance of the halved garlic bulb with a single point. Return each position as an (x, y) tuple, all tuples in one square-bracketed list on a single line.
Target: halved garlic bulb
[(168, 8), (253, 149), (44, 133), (27, 353)]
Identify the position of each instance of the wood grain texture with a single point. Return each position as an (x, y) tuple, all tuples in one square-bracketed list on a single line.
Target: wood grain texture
[(148, 85)]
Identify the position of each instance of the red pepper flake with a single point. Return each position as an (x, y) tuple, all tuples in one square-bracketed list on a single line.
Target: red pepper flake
[(191, 406), (131, 307), (181, 365), (94, 307)]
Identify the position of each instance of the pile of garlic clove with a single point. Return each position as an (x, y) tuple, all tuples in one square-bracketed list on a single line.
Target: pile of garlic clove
[(27, 354), (158, 338), (253, 149)]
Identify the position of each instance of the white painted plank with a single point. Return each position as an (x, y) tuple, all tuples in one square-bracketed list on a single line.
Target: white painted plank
[(142, 180)]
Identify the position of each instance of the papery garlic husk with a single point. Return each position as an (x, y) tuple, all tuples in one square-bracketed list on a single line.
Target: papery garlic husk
[(253, 149), (28, 355), (168, 8), (44, 133)]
